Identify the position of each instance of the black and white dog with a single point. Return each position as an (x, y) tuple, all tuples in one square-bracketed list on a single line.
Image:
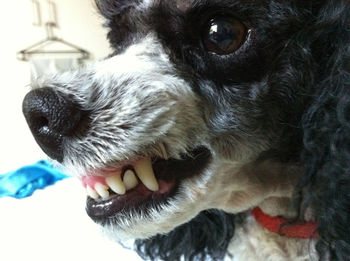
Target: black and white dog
[(217, 128)]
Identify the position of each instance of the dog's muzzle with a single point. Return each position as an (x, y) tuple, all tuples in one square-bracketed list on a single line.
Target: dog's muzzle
[(51, 117)]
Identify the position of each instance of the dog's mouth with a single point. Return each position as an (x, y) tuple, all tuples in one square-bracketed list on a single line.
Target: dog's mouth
[(141, 184)]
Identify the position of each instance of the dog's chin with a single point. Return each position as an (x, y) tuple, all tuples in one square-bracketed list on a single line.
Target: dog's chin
[(142, 213), (156, 220)]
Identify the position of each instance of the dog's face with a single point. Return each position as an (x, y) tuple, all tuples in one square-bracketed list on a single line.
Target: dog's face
[(199, 107)]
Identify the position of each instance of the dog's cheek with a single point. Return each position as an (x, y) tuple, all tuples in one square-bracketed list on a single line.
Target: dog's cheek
[(135, 99)]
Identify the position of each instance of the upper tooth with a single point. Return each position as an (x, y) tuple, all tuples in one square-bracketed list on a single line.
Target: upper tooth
[(163, 151), (91, 192), (116, 184), (145, 172), (102, 190), (130, 179)]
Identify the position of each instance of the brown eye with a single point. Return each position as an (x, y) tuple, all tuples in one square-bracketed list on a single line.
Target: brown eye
[(224, 35)]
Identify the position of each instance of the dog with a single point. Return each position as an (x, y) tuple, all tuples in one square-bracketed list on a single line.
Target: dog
[(215, 130)]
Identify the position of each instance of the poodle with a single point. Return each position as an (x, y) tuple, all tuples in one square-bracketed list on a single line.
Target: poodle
[(215, 130)]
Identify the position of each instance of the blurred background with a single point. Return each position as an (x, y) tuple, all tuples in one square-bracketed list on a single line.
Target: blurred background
[(39, 37), (77, 22)]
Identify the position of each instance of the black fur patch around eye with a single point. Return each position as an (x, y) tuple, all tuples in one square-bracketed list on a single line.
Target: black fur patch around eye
[(206, 237), (181, 35)]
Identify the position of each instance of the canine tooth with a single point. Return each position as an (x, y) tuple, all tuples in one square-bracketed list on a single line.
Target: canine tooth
[(91, 192), (116, 184), (163, 151), (102, 190), (145, 172), (130, 179)]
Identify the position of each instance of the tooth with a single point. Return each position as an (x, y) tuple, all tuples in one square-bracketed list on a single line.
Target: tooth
[(102, 190), (130, 179), (116, 184), (145, 172), (163, 151), (92, 193)]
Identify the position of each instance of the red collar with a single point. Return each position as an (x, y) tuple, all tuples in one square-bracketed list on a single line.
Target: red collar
[(279, 225)]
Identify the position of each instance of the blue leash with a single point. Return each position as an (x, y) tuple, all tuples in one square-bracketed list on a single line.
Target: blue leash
[(23, 182)]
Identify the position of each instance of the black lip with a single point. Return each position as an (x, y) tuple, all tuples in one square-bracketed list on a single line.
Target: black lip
[(172, 171), (190, 165)]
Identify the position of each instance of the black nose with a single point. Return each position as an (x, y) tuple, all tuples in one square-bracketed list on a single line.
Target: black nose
[(51, 117)]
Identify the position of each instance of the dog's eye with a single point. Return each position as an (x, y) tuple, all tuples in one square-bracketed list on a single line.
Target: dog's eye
[(223, 35)]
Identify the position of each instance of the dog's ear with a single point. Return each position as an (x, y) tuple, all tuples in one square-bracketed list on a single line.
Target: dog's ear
[(206, 237), (326, 126)]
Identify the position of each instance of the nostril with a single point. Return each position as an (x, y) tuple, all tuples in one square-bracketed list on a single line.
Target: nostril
[(51, 117), (42, 124)]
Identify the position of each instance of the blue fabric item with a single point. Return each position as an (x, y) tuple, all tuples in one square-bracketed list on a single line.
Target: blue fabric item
[(24, 181)]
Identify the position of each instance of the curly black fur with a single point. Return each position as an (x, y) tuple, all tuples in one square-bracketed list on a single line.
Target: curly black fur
[(310, 72), (326, 126), (206, 237), (316, 60), (300, 56)]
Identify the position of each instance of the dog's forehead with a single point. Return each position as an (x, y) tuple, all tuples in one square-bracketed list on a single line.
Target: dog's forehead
[(182, 5), (118, 6)]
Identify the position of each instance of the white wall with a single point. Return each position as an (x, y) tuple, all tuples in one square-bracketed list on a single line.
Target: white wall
[(78, 23), (51, 224)]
